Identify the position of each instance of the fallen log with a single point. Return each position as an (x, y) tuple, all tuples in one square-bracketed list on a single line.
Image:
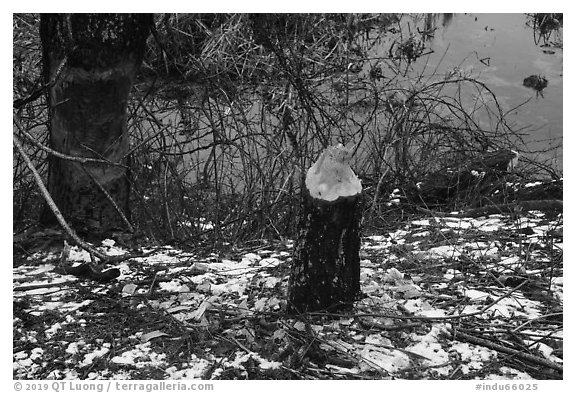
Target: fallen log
[(544, 206), (548, 205), (462, 180)]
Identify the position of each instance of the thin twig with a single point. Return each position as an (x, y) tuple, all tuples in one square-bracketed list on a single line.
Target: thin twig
[(500, 348), (82, 160), (110, 199), (52, 205), (22, 288), (19, 103), (554, 314)]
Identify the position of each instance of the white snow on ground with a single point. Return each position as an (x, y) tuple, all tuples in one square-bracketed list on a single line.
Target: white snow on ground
[(448, 251), (61, 306), (239, 360), (141, 355), (373, 353), (429, 347), (220, 284), (78, 255), (509, 373), (422, 308), (473, 357), (196, 368), (457, 223), (96, 354)]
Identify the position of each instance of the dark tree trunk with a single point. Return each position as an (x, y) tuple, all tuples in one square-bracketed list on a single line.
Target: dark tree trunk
[(92, 60), (326, 263)]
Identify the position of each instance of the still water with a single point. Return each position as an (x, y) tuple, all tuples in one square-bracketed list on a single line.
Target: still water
[(501, 50)]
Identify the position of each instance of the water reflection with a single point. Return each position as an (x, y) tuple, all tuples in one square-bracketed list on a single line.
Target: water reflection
[(432, 21), (507, 52), (546, 28), (431, 50), (537, 83), (446, 19)]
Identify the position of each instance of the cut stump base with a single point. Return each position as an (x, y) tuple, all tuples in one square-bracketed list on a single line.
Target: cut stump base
[(326, 263)]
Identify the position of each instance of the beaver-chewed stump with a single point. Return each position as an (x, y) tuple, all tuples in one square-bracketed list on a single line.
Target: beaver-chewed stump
[(326, 263)]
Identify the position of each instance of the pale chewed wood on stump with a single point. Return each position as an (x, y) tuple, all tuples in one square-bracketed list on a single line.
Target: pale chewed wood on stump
[(326, 263)]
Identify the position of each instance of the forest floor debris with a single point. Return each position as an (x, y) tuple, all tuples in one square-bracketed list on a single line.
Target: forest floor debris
[(443, 298)]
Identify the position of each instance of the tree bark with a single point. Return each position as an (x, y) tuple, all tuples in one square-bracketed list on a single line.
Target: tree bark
[(464, 179), (90, 62), (326, 263)]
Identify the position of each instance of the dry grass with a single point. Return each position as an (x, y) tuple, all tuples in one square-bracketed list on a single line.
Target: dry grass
[(231, 110)]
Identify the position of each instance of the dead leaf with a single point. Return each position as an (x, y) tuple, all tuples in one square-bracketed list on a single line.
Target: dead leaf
[(248, 334), (129, 289), (185, 294), (279, 334), (204, 287), (198, 314), (176, 309), (409, 291), (274, 303), (243, 307), (300, 326), (200, 267), (393, 275), (260, 304), (149, 336)]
